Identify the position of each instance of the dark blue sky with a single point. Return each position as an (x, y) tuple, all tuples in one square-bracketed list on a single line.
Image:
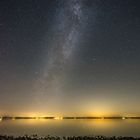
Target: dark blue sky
[(70, 57)]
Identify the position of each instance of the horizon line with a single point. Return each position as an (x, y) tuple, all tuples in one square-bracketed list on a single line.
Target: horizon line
[(67, 117)]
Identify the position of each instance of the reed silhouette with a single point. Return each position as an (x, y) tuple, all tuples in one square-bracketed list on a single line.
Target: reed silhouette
[(36, 137)]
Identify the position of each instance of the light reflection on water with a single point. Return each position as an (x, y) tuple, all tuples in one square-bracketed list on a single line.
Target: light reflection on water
[(71, 127)]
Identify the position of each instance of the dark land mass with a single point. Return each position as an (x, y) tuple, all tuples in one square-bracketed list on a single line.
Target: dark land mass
[(10, 118), (35, 137)]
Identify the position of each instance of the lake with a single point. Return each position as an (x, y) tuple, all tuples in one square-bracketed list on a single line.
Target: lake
[(81, 127)]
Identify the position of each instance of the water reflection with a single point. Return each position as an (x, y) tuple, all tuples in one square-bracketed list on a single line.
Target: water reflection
[(58, 127)]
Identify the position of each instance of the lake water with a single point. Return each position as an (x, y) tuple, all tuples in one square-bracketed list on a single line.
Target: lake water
[(71, 127)]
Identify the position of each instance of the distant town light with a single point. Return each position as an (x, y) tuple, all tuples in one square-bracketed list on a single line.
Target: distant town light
[(123, 118), (0, 118), (58, 118)]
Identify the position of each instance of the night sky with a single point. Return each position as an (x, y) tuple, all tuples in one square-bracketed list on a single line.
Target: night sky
[(70, 57)]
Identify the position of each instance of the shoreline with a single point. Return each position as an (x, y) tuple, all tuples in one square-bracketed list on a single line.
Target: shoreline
[(69, 117), (49, 137)]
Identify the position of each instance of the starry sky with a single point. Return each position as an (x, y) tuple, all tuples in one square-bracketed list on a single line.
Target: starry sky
[(70, 57)]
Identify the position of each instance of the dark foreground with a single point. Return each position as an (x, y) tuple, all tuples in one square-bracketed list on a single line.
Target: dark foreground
[(35, 137)]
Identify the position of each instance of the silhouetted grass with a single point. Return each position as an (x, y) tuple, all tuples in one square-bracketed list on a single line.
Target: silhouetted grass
[(35, 137)]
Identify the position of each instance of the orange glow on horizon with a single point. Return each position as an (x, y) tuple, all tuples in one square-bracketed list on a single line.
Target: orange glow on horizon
[(58, 118)]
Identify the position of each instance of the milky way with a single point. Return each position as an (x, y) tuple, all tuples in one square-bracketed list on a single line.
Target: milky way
[(60, 56)]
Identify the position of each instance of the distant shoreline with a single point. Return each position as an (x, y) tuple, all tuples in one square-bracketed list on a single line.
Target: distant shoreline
[(60, 118)]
